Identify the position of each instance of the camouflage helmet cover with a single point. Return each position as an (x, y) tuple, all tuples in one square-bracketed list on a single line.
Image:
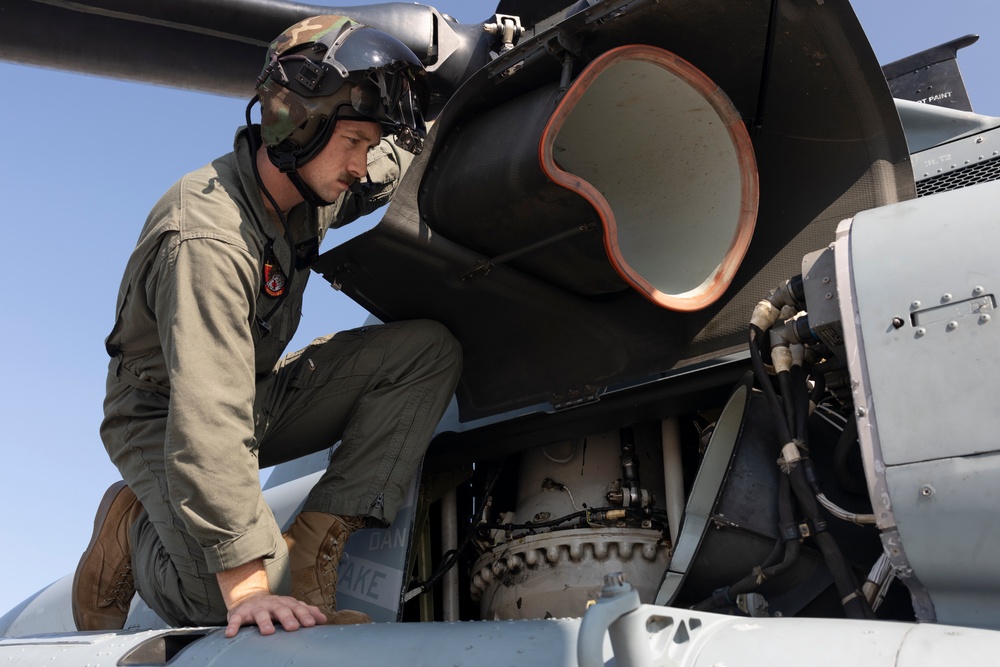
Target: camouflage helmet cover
[(301, 87)]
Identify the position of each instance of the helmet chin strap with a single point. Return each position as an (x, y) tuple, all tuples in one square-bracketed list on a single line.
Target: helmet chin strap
[(287, 163)]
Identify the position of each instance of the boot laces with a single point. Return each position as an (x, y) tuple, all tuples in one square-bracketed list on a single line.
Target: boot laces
[(330, 560), (331, 553), (121, 593)]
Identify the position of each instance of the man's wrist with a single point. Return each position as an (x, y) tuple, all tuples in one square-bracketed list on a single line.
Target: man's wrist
[(243, 582)]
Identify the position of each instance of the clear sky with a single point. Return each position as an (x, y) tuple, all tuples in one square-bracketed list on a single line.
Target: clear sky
[(83, 161)]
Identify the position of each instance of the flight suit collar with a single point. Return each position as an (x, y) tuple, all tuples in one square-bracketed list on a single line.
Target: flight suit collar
[(264, 220)]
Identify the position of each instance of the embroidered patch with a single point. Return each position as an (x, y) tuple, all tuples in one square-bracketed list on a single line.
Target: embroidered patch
[(274, 280)]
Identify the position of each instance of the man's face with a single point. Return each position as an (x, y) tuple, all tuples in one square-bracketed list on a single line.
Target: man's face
[(343, 160)]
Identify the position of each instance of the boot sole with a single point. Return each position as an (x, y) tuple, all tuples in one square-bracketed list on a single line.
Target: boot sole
[(100, 522)]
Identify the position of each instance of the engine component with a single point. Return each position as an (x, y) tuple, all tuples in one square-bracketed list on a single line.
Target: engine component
[(554, 568)]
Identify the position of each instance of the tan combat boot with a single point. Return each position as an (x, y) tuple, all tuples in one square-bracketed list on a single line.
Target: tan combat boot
[(316, 542), (103, 586)]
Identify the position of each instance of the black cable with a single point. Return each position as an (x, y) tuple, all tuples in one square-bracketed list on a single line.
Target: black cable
[(765, 382), (450, 557), (787, 545), (800, 401), (254, 147), (819, 385), (841, 455), (787, 400), (854, 603), (588, 514)]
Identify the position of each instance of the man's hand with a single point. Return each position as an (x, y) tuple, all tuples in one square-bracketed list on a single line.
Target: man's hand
[(250, 602)]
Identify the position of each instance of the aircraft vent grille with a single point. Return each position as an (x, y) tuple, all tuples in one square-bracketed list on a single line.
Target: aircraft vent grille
[(988, 170)]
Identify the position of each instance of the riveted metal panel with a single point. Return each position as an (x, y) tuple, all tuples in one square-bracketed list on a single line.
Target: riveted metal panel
[(931, 263), (946, 514)]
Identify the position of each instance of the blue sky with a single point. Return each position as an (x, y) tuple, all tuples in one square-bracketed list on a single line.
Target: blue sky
[(84, 159)]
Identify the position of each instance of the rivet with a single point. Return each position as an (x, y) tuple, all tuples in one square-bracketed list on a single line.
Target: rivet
[(984, 318), (920, 332), (861, 412), (952, 325), (979, 140), (927, 490), (826, 279), (915, 305), (945, 298), (978, 290), (829, 295)]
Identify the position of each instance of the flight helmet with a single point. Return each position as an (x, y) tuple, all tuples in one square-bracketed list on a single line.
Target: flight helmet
[(327, 68)]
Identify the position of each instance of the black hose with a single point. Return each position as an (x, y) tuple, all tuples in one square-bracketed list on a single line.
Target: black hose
[(764, 380), (841, 454), (854, 603), (800, 400), (787, 546), (787, 400), (819, 386)]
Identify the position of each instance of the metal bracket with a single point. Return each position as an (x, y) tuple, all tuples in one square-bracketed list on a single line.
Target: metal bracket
[(484, 266), (508, 28)]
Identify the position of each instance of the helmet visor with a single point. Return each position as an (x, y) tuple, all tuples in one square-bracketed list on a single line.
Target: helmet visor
[(391, 84), (390, 100)]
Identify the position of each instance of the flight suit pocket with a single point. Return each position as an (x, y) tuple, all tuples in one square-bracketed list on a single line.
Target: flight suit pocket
[(352, 353)]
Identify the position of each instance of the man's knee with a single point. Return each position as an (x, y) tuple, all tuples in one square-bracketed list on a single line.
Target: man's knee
[(432, 340)]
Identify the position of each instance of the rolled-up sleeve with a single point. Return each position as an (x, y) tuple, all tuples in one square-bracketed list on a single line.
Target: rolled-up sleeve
[(202, 291)]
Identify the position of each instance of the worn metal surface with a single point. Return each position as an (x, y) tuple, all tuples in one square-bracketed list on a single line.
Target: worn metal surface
[(828, 128), (917, 433)]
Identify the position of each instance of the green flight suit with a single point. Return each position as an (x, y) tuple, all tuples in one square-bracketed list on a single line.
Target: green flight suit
[(197, 390)]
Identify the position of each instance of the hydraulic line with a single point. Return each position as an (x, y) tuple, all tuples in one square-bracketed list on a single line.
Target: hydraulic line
[(800, 399), (788, 543), (785, 384), (854, 603), (851, 598), (784, 434)]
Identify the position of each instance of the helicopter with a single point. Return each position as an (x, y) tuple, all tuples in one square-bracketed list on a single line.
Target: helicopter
[(674, 373)]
